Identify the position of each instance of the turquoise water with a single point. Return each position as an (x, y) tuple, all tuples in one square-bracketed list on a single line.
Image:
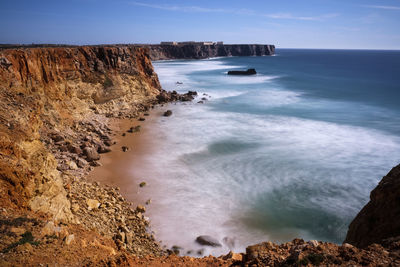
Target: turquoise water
[(291, 152)]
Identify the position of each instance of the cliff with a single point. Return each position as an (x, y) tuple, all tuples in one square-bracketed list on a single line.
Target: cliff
[(380, 218), (55, 108), (160, 52), (49, 90)]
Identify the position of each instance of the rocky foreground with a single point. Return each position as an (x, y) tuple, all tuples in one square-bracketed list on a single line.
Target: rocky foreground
[(56, 108)]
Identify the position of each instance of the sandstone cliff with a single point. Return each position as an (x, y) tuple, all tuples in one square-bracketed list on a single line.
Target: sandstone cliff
[(380, 218), (160, 52), (51, 90)]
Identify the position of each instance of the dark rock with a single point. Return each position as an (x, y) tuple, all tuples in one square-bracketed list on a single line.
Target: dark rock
[(74, 149), (134, 129), (176, 249), (81, 162), (200, 252), (242, 72), (380, 218), (123, 134), (204, 99), (57, 137), (146, 114), (108, 143), (142, 119), (207, 240), (125, 148), (163, 97), (200, 102), (140, 208), (91, 154), (103, 149), (95, 164), (198, 51), (168, 113)]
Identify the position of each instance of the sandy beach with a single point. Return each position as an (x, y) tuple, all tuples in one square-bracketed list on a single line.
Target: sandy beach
[(118, 168)]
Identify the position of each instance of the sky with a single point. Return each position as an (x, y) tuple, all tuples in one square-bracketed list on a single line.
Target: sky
[(342, 24)]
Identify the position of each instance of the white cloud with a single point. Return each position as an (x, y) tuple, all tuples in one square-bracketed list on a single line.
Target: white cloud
[(383, 7), (292, 17), (248, 12), (194, 8)]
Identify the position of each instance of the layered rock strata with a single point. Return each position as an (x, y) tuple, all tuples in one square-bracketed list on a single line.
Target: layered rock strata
[(50, 90)]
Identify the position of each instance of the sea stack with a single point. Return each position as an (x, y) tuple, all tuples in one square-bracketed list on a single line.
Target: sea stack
[(242, 72)]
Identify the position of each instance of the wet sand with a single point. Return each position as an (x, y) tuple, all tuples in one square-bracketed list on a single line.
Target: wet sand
[(118, 167)]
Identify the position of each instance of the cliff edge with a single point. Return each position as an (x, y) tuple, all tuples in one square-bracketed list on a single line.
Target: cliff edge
[(380, 218), (196, 51)]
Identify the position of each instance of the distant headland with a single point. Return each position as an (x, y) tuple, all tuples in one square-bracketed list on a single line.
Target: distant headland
[(178, 50)]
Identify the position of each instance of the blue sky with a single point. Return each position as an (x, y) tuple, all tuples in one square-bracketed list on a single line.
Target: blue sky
[(365, 24)]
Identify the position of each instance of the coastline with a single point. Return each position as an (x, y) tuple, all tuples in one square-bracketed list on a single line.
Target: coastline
[(117, 167), (52, 135)]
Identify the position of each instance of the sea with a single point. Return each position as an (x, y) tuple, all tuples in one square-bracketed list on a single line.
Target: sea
[(291, 152)]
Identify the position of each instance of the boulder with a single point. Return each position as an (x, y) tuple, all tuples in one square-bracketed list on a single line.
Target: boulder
[(140, 209), (72, 165), (74, 149), (81, 162), (103, 149), (108, 143), (207, 240), (168, 113), (91, 154), (242, 72)]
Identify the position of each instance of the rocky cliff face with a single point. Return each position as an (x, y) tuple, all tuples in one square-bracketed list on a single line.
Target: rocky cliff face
[(380, 218), (160, 52), (51, 90)]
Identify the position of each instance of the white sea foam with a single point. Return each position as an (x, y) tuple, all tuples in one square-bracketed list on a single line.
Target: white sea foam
[(216, 165), (252, 79), (226, 172)]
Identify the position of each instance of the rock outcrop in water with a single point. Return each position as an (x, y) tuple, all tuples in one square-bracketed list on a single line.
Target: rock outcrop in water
[(195, 51), (242, 72), (380, 218)]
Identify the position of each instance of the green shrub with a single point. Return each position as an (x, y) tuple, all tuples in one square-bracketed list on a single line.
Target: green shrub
[(107, 82)]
